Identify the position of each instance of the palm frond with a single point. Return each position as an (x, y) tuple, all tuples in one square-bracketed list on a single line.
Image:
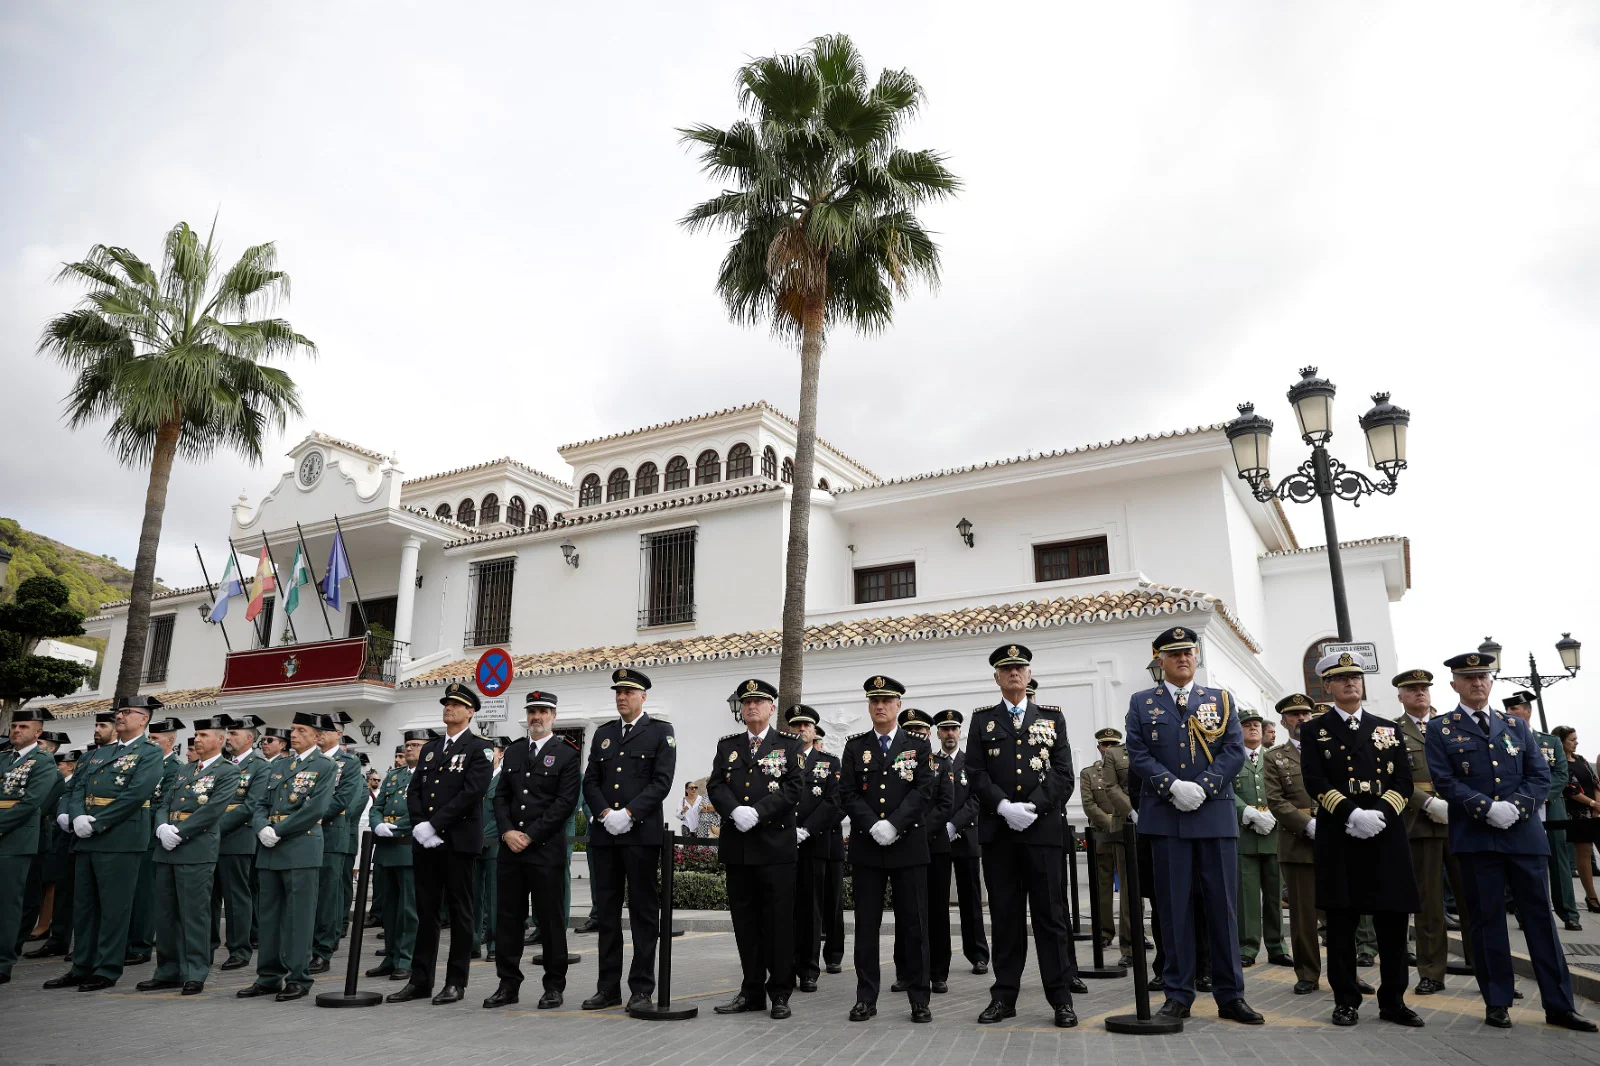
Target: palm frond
[(785, 88), (838, 62)]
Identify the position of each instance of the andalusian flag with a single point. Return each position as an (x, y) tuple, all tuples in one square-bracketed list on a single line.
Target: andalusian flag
[(264, 585), (227, 590), (299, 575)]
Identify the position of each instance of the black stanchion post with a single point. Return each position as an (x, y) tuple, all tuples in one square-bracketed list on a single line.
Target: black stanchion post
[(663, 1010), (1463, 968), (350, 997), (1141, 1022), (1099, 969), (1072, 886)]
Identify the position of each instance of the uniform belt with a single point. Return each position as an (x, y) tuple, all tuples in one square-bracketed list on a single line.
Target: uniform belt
[(1425, 786), (182, 816), (6, 805), (1260, 806), (1369, 787), (391, 818), (276, 817), (233, 806), (106, 801)]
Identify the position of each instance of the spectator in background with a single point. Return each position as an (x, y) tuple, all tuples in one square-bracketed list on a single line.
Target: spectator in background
[(1581, 806), (699, 818)]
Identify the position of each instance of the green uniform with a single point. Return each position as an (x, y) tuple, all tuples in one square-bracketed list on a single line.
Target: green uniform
[(339, 840), (1561, 895), (1260, 906), (142, 928), (193, 803), (1430, 861), (118, 783), (233, 891), (42, 871), (391, 866), (1106, 826), (484, 869), (294, 803), (26, 783)]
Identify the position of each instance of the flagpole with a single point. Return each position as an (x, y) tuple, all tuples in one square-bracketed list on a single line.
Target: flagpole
[(277, 587), (239, 570), (312, 570), (354, 585), (212, 589)]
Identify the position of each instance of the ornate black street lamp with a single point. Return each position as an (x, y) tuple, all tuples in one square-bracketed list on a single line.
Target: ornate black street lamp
[(1566, 647), (1322, 477)]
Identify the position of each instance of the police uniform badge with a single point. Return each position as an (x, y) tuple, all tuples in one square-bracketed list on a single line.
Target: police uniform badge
[(672, 742), (428, 757), (604, 744), (988, 727), (733, 756)]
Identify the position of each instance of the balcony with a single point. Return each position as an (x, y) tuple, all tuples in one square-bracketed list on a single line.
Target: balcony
[(373, 659)]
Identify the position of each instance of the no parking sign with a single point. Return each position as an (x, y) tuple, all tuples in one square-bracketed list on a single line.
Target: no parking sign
[(493, 675)]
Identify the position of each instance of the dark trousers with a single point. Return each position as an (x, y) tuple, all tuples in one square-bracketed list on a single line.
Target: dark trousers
[(13, 880), (833, 913), (515, 884), (233, 892), (485, 880), (910, 884), (33, 899), (761, 901), (443, 878), (288, 910), (399, 913), (1180, 868), (103, 910), (969, 900), (142, 922), (60, 938), (1301, 880), (810, 875), (1393, 972), (1485, 878), (939, 870), (631, 868), (1024, 878), (183, 930)]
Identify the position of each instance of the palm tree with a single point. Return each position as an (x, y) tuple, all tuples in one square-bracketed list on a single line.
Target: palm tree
[(176, 362), (822, 204)]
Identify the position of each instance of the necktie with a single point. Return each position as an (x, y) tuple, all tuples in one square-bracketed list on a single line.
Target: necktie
[(626, 729), (883, 746), (1483, 722)]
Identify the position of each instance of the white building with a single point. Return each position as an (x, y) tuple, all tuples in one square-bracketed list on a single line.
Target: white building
[(668, 556)]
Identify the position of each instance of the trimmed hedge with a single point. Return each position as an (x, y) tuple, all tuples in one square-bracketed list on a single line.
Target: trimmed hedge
[(694, 890)]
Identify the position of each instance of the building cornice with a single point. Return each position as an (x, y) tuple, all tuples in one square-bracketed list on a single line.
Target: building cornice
[(509, 464)]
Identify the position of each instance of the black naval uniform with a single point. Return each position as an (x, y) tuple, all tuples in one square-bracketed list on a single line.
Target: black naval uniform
[(447, 792), (833, 888), (760, 863), (537, 793), (897, 786), (1361, 768), (818, 814), (960, 858)]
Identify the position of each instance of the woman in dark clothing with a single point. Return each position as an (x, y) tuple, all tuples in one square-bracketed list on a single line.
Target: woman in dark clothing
[(1582, 806)]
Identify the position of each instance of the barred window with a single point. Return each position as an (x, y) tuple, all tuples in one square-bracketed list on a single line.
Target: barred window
[(769, 463), (443, 510), (896, 581), (617, 485), (1071, 558), (788, 470), (489, 602), (740, 462), (647, 480), (467, 513), (677, 473), (666, 577), (708, 468), (589, 491), (158, 645), (490, 511), (517, 511), (539, 517)]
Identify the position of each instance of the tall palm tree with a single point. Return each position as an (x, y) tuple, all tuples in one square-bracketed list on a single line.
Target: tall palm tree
[(176, 361), (822, 204)]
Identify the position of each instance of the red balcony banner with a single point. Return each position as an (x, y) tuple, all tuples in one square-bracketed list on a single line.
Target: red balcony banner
[(332, 662)]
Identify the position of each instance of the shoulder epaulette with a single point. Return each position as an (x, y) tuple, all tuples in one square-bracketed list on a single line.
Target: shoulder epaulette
[(730, 736), (985, 707), (574, 743), (854, 736), (786, 733), (1050, 707)]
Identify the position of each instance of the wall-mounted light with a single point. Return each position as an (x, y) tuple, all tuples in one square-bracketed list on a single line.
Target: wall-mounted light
[(1156, 673), (419, 581), (965, 529), (570, 551), (367, 733), (205, 612)]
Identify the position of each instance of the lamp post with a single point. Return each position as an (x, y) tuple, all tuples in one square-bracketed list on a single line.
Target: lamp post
[(1322, 477), (1566, 647)]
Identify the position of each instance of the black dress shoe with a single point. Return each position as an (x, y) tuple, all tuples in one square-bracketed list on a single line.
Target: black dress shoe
[(318, 965), (980, 967), (5, 979), (1173, 1009), (862, 1011), (1066, 1017), (236, 962), (138, 958), (44, 952), (1402, 1016), (489, 955), (252, 991), (1364, 960), (940, 986), (502, 996), (1305, 988), (899, 986), (808, 984), (1428, 986), (1364, 988), (1156, 984), (407, 994), (921, 1013), (373, 921), (639, 1001), (550, 1001), (739, 1004), (834, 967), (447, 995), (400, 975), (477, 953), (193, 988), (1345, 1016), (1125, 961), (153, 985), (573, 958), (1411, 958), (780, 1010), (602, 1000), (996, 1011), (381, 952), (94, 983), (1499, 1017), (1569, 1019), (1574, 926), (291, 991), (1237, 1010), (380, 971), (1202, 984), (1077, 987), (1246, 962), (589, 925), (1280, 959)]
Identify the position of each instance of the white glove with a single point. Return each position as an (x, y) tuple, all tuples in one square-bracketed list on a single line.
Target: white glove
[(951, 831), (1311, 829), (616, 822), (1502, 815), (1364, 824), (1133, 816), (1437, 809), (423, 832), (434, 841), (384, 829), (1265, 822), (884, 833), (1186, 795), (744, 819), (65, 822), (1247, 818), (268, 837), (801, 835), (1018, 815), (83, 826), (167, 833)]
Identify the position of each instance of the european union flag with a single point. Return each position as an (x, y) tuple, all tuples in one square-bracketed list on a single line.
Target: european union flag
[(337, 570)]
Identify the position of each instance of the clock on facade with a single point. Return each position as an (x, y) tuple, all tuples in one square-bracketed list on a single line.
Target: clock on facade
[(310, 468)]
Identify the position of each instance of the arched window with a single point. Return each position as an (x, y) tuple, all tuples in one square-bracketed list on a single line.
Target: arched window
[(467, 512), (769, 463), (617, 485), (1314, 687), (788, 470), (443, 510), (708, 468), (539, 517), (589, 491), (490, 511), (822, 483), (740, 464), (677, 473), (516, 512), (647, 480)]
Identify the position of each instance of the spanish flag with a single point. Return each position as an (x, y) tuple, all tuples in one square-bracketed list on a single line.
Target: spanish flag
[(264, 585)]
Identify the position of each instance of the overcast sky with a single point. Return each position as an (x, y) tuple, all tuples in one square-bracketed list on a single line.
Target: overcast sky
[(1169, 209)]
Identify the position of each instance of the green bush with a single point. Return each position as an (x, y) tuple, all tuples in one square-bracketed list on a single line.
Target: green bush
[(580, 823), (694, 890)]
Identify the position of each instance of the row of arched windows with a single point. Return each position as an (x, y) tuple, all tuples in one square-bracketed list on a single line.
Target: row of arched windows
[(709, 469), (488, 512)]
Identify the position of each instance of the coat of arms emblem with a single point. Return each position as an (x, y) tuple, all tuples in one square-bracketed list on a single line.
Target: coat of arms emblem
[(291, 666)]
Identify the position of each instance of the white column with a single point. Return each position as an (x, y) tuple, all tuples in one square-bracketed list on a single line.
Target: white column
[(406, 593)]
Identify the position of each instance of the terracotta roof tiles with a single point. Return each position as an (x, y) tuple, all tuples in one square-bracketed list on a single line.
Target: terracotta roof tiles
[(185, 697)]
